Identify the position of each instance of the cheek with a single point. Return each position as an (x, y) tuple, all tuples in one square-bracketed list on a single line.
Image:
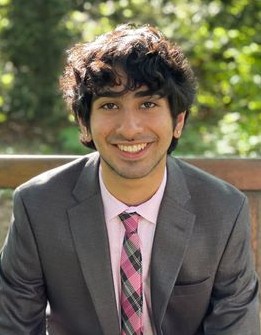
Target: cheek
[(166, 125), (95, 124), (100, 129), (168, 131)]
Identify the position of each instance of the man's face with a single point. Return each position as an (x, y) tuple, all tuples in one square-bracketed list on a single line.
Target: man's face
[(132, 132)]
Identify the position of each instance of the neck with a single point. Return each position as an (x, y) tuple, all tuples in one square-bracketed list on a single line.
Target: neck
[(133, 192)]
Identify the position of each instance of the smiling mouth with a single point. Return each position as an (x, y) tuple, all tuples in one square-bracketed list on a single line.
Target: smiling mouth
[(132, 148)]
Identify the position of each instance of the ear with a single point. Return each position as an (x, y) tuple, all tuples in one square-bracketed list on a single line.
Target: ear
[(86, 134), (179, 125)]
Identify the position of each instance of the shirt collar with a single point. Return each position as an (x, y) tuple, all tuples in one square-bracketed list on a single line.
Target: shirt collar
[(148, 210)]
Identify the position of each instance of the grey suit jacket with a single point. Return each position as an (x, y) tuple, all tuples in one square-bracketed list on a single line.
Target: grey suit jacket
[(202, 277)]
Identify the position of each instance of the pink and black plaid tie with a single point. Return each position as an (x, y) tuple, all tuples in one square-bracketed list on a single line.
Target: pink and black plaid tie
[(131, 277)]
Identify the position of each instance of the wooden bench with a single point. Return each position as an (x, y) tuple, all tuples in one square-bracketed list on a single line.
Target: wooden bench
[(245, 174)]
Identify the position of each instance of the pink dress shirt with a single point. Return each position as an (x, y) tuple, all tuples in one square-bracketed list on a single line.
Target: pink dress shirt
[(147, 225)]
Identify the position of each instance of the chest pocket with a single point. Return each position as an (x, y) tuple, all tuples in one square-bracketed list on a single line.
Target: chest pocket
[(187, 308)]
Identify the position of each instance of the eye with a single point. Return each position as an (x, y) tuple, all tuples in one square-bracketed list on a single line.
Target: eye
[(109, 105), (148, 104)]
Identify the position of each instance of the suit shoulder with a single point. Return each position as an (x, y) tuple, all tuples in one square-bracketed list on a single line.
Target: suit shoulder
[(54, 178), (204, 183)]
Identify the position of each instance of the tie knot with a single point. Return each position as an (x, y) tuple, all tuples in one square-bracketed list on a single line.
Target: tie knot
[(130, 221)]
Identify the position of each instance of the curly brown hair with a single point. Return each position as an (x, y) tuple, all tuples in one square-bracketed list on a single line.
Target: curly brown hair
[(143, 54)]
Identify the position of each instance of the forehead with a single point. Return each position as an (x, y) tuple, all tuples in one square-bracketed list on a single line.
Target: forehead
[(124, 84), (120, 91)]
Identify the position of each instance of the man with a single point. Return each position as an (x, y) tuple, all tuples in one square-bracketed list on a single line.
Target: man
[(128, 240)]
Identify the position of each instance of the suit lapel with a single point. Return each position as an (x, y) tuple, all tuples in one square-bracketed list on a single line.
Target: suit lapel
[(174, 228), (91, 243)]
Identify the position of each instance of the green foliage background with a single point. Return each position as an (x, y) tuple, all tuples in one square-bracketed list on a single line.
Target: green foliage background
[(220, 38)]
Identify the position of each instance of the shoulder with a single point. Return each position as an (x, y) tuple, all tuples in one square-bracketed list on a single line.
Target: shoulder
[(205, 188), (60, 178), (197, 177)]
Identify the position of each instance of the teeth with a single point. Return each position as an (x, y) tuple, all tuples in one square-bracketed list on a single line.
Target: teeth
[(132, 148)]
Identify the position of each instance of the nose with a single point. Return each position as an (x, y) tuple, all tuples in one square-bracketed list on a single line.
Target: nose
[(130, 125)]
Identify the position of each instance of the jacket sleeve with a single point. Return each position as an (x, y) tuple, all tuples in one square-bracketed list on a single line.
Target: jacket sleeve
[(22, 292), (234, 303)]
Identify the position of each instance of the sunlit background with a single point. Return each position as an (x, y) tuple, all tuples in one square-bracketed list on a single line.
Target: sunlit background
[(220, 38)]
